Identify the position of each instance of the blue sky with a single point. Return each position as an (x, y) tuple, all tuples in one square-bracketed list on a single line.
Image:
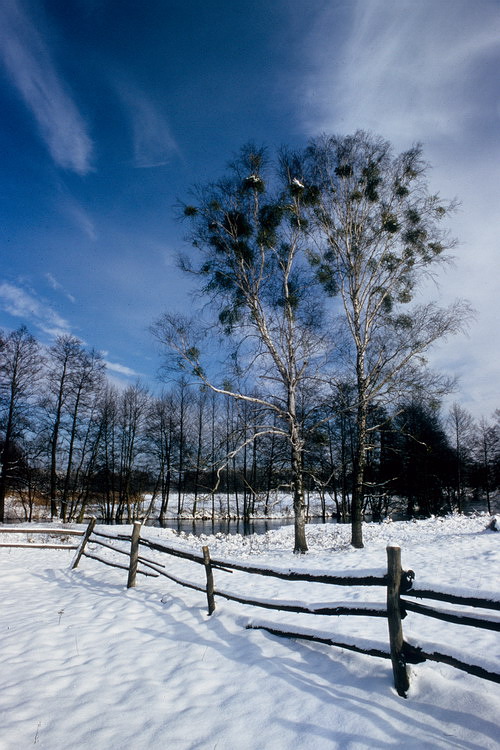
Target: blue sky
[(111, 109)]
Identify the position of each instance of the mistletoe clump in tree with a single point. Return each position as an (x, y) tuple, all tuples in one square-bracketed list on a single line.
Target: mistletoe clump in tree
[(247, 234)]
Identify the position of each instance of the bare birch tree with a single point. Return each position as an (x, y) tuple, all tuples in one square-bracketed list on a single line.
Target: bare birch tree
[(247, 235), (378, 236)]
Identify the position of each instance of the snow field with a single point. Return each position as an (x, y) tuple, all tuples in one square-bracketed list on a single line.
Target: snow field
[(90, 664)]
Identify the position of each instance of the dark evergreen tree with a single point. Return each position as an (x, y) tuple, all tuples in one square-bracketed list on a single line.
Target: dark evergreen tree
[(423, 461)]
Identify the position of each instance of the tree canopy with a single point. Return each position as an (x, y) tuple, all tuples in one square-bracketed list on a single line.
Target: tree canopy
[(275, 241)]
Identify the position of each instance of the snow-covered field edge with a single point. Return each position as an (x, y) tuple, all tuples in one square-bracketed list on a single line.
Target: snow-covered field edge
[(222, 685)]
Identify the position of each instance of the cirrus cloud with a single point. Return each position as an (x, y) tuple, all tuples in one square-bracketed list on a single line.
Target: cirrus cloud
[(26, 305), (121, 369), (30, 67), (153, 143)]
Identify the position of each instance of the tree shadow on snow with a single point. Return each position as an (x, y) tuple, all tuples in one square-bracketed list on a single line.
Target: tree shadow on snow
[(358, 685), (362, 685)]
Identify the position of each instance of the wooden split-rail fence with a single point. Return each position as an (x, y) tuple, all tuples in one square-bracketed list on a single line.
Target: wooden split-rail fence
[(398, 583)]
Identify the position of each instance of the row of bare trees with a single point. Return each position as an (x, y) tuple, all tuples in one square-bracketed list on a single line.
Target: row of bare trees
[(48, 400), (70, 442)]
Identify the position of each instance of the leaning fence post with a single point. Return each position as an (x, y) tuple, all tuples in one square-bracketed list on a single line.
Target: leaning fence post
[(134, 554), (210, 580), (401, 681), (86, 537)]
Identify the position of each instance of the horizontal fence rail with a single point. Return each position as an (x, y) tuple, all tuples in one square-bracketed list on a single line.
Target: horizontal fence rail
[(473, 669), (339, 608), (485, 621), (397, 582), (49, 530), (42, 545), (359, 649), (466, 601)]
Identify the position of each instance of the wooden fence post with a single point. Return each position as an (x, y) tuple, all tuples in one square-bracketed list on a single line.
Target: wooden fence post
[(134, 554), (210, 580), (401, 681), (86, 537)]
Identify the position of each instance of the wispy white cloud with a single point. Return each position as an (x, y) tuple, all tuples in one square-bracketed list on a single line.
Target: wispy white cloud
[(25, 305), (52, 281), (81, 218), (58, 287), (33, 73), (153, 143), (121, 369), (413, 66)]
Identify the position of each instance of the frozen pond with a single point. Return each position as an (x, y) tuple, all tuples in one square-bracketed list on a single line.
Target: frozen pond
[(232, 526)]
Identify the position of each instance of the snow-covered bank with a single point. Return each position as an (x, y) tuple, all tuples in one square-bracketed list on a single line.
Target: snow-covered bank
[(87, 663)]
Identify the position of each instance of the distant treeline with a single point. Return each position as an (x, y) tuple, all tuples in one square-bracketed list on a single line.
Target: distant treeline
[(71, 442)]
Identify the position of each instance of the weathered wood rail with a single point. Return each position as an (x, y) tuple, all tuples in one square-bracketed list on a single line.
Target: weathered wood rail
[(397, 582), (43, 545)]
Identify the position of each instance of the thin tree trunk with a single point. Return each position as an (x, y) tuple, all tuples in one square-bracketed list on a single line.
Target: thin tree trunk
[(297, 477), (198, 456), (6, 460), (298, 501), (65, 493), (359, 465)]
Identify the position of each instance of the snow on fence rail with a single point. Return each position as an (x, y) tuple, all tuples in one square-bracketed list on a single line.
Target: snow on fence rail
[(396, 581), (42, 545)]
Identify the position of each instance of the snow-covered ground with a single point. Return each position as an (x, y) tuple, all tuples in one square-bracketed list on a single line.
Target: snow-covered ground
[(88, 664)]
